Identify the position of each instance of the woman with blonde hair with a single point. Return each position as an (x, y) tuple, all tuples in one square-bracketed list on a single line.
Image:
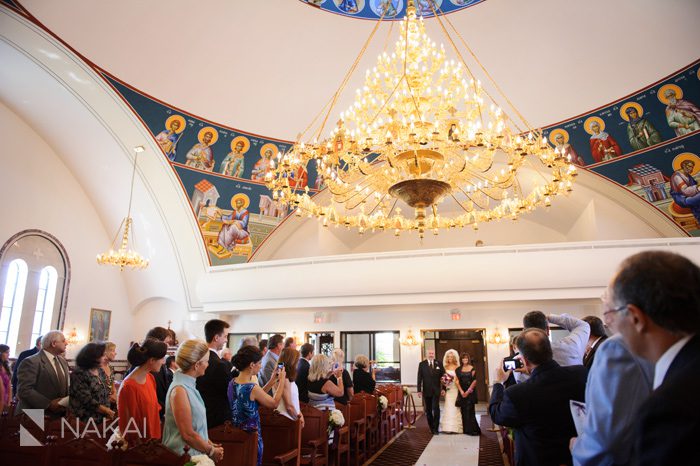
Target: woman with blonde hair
[(364, 377), (339, 361), (321, 389), (185, 414), (451, 420)]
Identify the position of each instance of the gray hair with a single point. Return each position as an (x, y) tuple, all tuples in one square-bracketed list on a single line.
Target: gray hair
[(51, 336), (248, 341)]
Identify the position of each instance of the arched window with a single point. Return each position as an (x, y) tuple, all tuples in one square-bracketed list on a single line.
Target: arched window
[(12, 302), (44, 302), (34, 275)]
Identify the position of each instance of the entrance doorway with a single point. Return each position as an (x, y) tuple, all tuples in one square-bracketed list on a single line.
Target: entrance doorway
[(469, 341)]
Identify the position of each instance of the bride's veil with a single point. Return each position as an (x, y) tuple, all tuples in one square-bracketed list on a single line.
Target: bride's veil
[(453, 353)]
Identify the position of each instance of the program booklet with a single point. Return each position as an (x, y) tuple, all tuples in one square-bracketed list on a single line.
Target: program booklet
[(578, 413)]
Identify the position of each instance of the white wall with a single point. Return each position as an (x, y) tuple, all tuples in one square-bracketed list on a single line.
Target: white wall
[(492, 316), (38, 191)]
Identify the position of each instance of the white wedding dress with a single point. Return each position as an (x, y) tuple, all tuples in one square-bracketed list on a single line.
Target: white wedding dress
[(450, 415)]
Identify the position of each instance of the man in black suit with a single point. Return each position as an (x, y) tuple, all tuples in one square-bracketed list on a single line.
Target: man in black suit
[(43, 380), (163, 377), (539, 407), (213, 385), (22, 356), (595, 339), (430, 374), (302, 381), (655, 298)]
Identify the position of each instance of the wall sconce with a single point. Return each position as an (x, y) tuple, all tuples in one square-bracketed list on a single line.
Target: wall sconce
[(318, 317), (455, 314), (497, 339), (411, 340), (72, 337)]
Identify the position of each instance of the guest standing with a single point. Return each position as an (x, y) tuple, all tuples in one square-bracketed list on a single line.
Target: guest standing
[(162, 377), (322, 390), (302, 380), (137, 403), (22, 356), (339, 362), (245, 394), (42, 379), (5, 378), (212, 385), (430, 374), (465, 379), (185, 413), (363, 377), (289, 405), (110, 356), (89, 396)]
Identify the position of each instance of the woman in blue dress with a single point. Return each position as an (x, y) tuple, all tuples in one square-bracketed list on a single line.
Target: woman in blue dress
[(244, 394)]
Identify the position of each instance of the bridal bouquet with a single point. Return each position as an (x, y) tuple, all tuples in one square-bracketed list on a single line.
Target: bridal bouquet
[(382, 402), (447, 380), (117, 439), (200, 460)]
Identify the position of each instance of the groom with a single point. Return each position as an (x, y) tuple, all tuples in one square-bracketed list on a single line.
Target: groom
[(430, 374)]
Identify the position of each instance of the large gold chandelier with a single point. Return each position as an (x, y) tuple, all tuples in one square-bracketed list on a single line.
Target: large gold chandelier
[(419, 133)]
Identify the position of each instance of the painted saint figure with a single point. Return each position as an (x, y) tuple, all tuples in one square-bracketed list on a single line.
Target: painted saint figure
[(264, 165), (235, 225), (684, 188), (169, 137), (603, 146), (640, 132), (561, 140), (234, 163), (201, 155), (683, 116)]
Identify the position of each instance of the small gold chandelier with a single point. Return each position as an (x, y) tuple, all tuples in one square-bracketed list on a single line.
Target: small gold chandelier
[(419, 133), (125, 256)]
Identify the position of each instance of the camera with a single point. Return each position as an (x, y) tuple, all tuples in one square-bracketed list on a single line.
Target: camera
[(510, 364)]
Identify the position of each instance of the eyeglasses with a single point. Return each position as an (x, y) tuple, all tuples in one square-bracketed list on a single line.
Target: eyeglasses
[(617, 309)]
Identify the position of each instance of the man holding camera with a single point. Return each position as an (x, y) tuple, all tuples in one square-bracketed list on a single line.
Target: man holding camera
[(539, 407)]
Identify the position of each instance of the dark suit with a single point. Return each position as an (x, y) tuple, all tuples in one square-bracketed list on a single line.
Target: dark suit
[(588, 357), (38, 383), (430, 384), (303, 380), (668, 426), (22, 356), (539, 410), (213, 386)]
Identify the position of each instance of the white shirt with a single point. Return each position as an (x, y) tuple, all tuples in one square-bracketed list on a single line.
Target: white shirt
[(666, 360)]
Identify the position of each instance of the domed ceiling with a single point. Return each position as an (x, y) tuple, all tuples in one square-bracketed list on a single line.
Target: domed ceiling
[(227, 72)]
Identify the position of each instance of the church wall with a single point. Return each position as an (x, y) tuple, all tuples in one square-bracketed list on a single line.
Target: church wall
[(40, 192)]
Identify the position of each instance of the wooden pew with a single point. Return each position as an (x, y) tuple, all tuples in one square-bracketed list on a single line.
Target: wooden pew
[(314, 436), (240, 447), (281, 438)]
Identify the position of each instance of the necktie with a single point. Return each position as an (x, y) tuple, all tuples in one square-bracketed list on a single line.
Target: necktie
[(59, 373)]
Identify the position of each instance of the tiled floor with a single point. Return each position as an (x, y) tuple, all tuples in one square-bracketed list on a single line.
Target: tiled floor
[(451, 450)]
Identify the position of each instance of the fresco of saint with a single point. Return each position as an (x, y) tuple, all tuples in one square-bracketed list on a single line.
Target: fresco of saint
[(201, 155), (234, 163), (169, 137), (683, 116), (603, 146), (640, 132)]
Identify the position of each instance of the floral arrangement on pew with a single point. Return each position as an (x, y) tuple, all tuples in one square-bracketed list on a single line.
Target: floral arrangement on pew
[(200, 460), (116, 441), (382, 403), (447, 380), (335, 419)]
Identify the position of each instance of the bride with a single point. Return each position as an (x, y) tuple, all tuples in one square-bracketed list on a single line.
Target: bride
[(451, 420)]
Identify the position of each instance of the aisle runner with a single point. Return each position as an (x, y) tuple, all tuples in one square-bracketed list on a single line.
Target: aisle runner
[(407, 448), (451, 450)]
